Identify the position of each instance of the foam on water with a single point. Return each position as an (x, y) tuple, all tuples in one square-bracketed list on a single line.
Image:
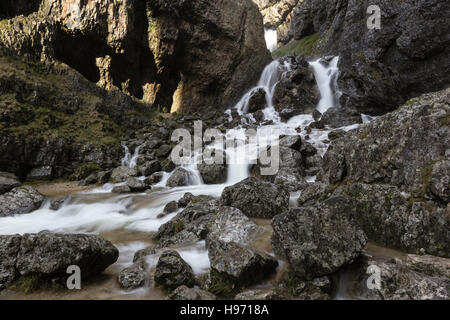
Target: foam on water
[(271, 38)]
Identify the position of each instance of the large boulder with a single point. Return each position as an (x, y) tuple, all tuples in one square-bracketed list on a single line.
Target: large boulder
[(48, 255), (256, 198), (230, 224), (297, 89), (190, 225), (317, 241), (121, 174), (20, 200), (380, 68), (235, 265), (179, 178), (8, 181), (172, 271), (212, 173)]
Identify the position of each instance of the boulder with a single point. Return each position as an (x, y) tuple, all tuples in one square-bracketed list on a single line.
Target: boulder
[(121, 189), (256, 198), (149, 168), (257, 100), (48, 255), (121, 174), (212, 173), (154, 178), (172, 206), (317, 241), (184, 201), (8, 181), (136, 185), (134, 276), (20, 200), (235, 265), (179, 178), (230, 224), (186, 293), (190, 225), (172, 271)]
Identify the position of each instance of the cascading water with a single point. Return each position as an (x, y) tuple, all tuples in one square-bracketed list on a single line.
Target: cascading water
[(271, 38), (326, 77), (130, 160)]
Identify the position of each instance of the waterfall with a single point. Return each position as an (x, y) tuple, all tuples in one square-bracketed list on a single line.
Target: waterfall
[(326, 78), (130, 160), (271, 39)]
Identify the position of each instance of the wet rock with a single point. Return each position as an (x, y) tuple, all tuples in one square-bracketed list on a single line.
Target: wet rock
[(190, 225), (154, 178), (318, 240), (169, 166), (134, 276), (297, 89), (136, 185), (184, 201), (121, 189), (41, 173), (172, 271), (235, 265), (293, 142), (171, 207), (149, 168), (179, 178), (20, 200), (57, 203), (48, 255), (230, 224), (144, 253), (163, 151), (315, 192), (257, 101), (256, 198), (212, 173), (8, 181), (337, 117), (336, 134), (186, 293), (121, 174)]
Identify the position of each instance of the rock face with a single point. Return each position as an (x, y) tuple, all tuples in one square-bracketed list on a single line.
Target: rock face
[(172, 271), (318, 240), (49, 254), (397, 178), (20, 200), (149, 49), (213, 173), (8, 181), (256, 198), (55, 123), (380, 68)]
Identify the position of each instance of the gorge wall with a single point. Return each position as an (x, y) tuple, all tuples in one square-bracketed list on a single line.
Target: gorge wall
[(175, 55)]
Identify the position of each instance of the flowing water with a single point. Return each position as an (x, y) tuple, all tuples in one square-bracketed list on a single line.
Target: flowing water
[(271, 38), (129, 220)]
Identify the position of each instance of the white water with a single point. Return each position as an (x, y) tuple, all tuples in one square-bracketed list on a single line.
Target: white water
[(326, 78), (271, 39), (128, 159)]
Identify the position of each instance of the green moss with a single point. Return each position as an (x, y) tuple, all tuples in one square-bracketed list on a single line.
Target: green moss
[(4, 24), (303, 46), (221, 284), (178, 226), (31, 283), (444, 120)]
